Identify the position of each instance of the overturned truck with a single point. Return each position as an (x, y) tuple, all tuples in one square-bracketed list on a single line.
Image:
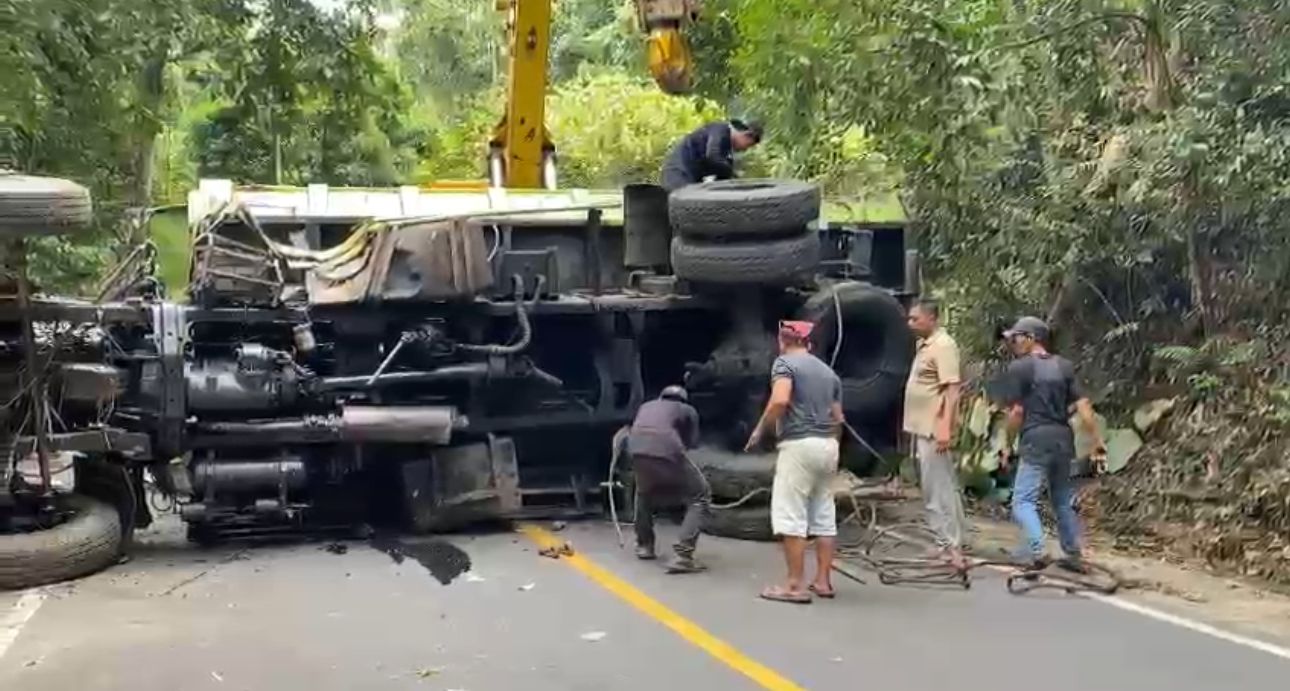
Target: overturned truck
[(420, 358)]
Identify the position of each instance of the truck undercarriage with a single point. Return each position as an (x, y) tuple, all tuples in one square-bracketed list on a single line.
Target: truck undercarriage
[(467, 358)]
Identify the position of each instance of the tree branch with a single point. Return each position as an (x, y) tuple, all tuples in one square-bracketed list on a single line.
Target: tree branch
[(1105, 17)]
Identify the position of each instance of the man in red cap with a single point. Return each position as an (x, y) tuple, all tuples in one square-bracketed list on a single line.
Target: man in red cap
[(805, 413)]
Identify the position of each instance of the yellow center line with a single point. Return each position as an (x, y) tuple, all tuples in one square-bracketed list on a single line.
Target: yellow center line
[(765, 677)]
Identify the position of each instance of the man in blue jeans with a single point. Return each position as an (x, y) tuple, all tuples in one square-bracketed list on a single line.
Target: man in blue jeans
[(1040, 389)]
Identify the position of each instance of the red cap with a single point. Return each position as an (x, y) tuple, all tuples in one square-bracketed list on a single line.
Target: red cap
[(796, 329)]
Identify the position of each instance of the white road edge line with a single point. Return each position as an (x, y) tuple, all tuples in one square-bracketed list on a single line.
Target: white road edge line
[(1159, 615), (1198, 627), (11, 622), (1180, 621)]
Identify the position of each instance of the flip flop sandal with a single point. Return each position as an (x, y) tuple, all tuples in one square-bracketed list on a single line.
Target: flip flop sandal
[(777, 594), (826, 594)]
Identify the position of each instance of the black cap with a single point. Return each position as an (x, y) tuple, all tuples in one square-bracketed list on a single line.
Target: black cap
[(752, 127), (1033, 327)]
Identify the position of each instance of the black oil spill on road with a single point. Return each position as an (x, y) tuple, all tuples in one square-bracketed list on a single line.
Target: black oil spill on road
[(443, 560)]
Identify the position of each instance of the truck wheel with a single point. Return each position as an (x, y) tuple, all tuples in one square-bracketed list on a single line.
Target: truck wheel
[(766, 262), (88, 541), (32, 206), (741, 523), (743, 208), (876, 350), (732, 476)]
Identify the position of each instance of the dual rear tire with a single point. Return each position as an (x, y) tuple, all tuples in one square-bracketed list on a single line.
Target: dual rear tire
[(745, 232)]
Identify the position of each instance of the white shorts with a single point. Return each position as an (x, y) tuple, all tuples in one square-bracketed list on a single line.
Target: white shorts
[(801, 500)]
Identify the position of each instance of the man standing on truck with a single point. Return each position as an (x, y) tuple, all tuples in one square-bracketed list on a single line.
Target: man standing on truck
[(931, 407), (1040, 389), (709, 151), (805, 412), (657, 441)]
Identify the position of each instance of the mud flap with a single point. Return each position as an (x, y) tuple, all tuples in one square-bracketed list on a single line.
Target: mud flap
[(462, 484)]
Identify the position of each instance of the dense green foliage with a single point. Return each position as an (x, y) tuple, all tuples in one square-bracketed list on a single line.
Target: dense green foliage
[(1119, 166), (306, 99)]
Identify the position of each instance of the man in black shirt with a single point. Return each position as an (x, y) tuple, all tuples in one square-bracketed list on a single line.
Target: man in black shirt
[(709, 151), (1039, 391), (657, 441)]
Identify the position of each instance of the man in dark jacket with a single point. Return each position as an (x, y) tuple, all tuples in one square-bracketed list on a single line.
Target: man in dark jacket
[(657, 441), (709, 151)]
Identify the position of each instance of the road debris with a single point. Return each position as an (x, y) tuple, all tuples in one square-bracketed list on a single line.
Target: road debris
[(553, 552), (558, 526), (528, 586), (472, 577), (217, 677), (427, 672), (593, 636), (337, 548)]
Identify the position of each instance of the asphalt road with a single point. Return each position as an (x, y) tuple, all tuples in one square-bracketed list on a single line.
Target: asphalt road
[(300, 617)]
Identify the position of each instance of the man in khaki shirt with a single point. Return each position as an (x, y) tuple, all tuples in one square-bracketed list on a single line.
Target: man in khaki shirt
[(931, 405)]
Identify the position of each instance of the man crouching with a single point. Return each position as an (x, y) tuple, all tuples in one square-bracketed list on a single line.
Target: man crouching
[(805, 408), (657, 441)]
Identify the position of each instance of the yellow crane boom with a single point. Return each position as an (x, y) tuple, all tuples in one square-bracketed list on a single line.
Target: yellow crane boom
[(521, 152)]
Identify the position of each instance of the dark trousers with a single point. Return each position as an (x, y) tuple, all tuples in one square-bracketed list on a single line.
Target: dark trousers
[(662, 482), (675, 177)]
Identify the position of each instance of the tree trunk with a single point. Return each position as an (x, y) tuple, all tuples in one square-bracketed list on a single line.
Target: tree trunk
[(1200, 263), (277, 159), (1161, 90), (152, 93), (1200, 273), (1059, 300)]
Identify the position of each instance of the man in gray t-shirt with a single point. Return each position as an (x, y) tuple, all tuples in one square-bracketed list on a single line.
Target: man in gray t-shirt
[(805, 409), (815, 389)]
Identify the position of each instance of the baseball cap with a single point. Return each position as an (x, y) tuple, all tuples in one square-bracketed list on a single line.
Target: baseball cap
[(753, 127), (1034, 327)]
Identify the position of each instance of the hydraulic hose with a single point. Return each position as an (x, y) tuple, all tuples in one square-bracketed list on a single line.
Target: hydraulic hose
[(619, 443), (526, 329)]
